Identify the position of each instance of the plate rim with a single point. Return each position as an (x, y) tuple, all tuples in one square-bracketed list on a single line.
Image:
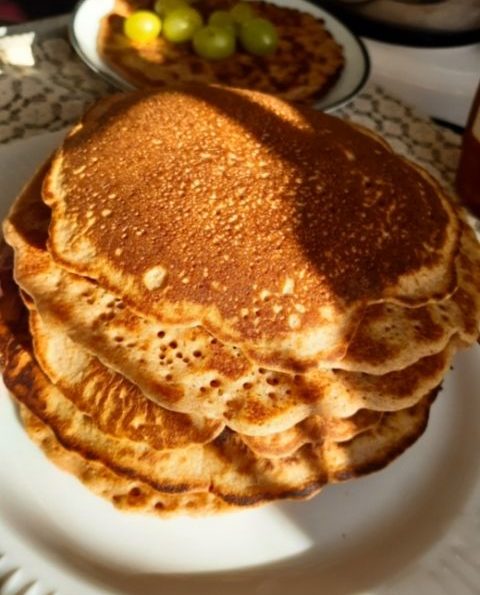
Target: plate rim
[(119, 82)]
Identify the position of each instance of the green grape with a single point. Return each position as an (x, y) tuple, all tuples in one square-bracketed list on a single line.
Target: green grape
[(163, 7), (259, 36), (142, 26), (242, 12), (222, 19), (214, 43), (181, 24)]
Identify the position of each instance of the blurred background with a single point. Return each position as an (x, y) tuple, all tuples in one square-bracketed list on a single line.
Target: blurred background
[(426, 52), (413, 22), (22, 10)]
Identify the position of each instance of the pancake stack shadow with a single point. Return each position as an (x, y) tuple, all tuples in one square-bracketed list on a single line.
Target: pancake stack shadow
[(199, 320)]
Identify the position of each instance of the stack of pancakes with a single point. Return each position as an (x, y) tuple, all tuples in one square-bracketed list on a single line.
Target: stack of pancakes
[(222, 300)]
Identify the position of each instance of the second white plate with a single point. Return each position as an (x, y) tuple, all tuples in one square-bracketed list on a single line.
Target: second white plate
[(88, 14)]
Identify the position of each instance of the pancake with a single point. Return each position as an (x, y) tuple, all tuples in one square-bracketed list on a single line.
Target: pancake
[(124, 493), (313, 430), (118, 408), (225, 467), (303, 68), (234, 176), (389, 333), (115, 404), (210, 379)]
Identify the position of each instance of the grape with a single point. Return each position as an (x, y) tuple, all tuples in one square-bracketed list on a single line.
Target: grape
[(163, 7), (222, 19), (242, 12), (214, 43), (259, 36), (181, 24), (142, 26)]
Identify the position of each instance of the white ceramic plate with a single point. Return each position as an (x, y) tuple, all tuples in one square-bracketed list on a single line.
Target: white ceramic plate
[(88, 13), (412, 529)]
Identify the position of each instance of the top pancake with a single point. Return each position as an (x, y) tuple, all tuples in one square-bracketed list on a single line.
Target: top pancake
[(305, 64), (272, 226)]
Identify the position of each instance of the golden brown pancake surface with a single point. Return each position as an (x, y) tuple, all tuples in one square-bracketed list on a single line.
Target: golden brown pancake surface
[(271, 226)]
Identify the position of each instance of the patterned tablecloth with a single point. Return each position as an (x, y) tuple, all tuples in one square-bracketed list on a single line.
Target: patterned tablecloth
[(44, 86)]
